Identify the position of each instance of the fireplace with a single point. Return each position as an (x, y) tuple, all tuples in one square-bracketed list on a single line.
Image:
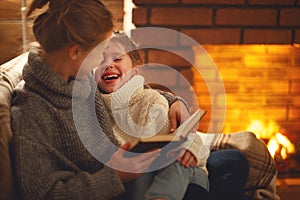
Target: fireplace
[(262, 86)]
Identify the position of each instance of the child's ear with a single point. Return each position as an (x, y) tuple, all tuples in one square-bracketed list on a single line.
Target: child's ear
[(74, 52)]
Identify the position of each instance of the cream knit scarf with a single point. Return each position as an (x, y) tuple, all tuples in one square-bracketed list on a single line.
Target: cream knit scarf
[(137, 112)]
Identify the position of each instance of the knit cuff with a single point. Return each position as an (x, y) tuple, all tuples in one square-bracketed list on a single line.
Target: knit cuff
[(172, 98), (184, 103), (169, 96)]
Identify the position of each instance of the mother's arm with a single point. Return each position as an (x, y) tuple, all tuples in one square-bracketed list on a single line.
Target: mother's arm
[(44, 172)]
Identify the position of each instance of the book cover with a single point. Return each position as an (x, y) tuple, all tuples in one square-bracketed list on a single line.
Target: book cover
[(172, 140)]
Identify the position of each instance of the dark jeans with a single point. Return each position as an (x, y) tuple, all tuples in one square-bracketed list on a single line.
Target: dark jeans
[(228, 172)]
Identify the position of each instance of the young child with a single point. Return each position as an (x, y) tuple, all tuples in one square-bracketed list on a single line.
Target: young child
[(136, 109)]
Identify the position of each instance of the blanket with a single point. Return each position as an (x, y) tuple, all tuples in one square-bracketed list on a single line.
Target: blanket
[(261, 183)]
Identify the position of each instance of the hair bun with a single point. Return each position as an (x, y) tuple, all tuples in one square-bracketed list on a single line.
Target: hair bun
[(59, 4)]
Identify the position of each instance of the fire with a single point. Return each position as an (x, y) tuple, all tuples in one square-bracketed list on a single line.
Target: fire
[(278, 144), (282, 144)]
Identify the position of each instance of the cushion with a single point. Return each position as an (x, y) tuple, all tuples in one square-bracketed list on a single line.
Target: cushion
[(10, 75)]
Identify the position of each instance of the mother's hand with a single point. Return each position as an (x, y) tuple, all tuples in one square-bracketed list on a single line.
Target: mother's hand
[(136, 165)]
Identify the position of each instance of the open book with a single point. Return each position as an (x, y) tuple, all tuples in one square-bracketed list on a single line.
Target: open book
[(173, 140)]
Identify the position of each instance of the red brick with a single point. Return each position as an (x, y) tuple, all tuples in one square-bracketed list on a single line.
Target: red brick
[(273, 100), (278, 72), (282, 49), (155, 37), (205, 87), (261, 87), (161, 75), (232, 100), (295, 87), (139, 16), (214, 36), (297, 37), (254, 36), (214, 2), (267, 61), (232, 73), (166, 58), (247, 17), (290, 17), (294, 114), (295, 71), (296, 101), (187, 77), (10, 9), (141, 2), (270, 2), (204, 100), (181, 16), (208, 74), (243, 113)]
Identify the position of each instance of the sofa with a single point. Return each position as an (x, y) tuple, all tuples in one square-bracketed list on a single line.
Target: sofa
[(10, 75), (261, 182)]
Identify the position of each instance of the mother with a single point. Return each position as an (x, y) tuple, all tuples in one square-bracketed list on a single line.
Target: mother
[(51, 161)]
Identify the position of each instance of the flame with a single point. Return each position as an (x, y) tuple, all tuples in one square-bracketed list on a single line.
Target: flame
[(263, 131), (277, 143), (282, 144)]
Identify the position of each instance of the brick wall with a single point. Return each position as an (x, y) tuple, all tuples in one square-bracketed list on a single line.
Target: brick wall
[(252, 44), (225, 21), (262, 82)]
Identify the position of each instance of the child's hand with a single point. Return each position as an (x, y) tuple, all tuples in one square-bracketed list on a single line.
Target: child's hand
[(186, 158)]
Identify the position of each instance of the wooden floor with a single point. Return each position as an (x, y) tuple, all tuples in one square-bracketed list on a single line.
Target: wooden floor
[(288, 188)]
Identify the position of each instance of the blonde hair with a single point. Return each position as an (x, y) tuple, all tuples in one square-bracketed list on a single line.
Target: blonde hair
[(81, 22), (131, 48)]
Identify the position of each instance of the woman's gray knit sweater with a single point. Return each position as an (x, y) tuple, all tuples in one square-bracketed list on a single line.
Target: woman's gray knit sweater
[(50, 159)]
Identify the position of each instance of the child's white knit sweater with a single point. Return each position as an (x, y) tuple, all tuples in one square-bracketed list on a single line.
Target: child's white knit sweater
[(138, 112)]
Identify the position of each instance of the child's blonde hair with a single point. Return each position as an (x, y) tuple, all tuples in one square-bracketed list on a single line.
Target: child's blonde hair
[(131, 48)]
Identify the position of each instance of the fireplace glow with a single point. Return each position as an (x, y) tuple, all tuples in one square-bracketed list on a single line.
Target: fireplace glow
[(278, 144)]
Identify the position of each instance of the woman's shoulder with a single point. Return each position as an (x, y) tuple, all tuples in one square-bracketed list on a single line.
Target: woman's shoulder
[(27, 106), (23, 98)]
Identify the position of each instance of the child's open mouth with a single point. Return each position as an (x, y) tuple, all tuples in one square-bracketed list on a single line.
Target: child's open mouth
[(110, 77)]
